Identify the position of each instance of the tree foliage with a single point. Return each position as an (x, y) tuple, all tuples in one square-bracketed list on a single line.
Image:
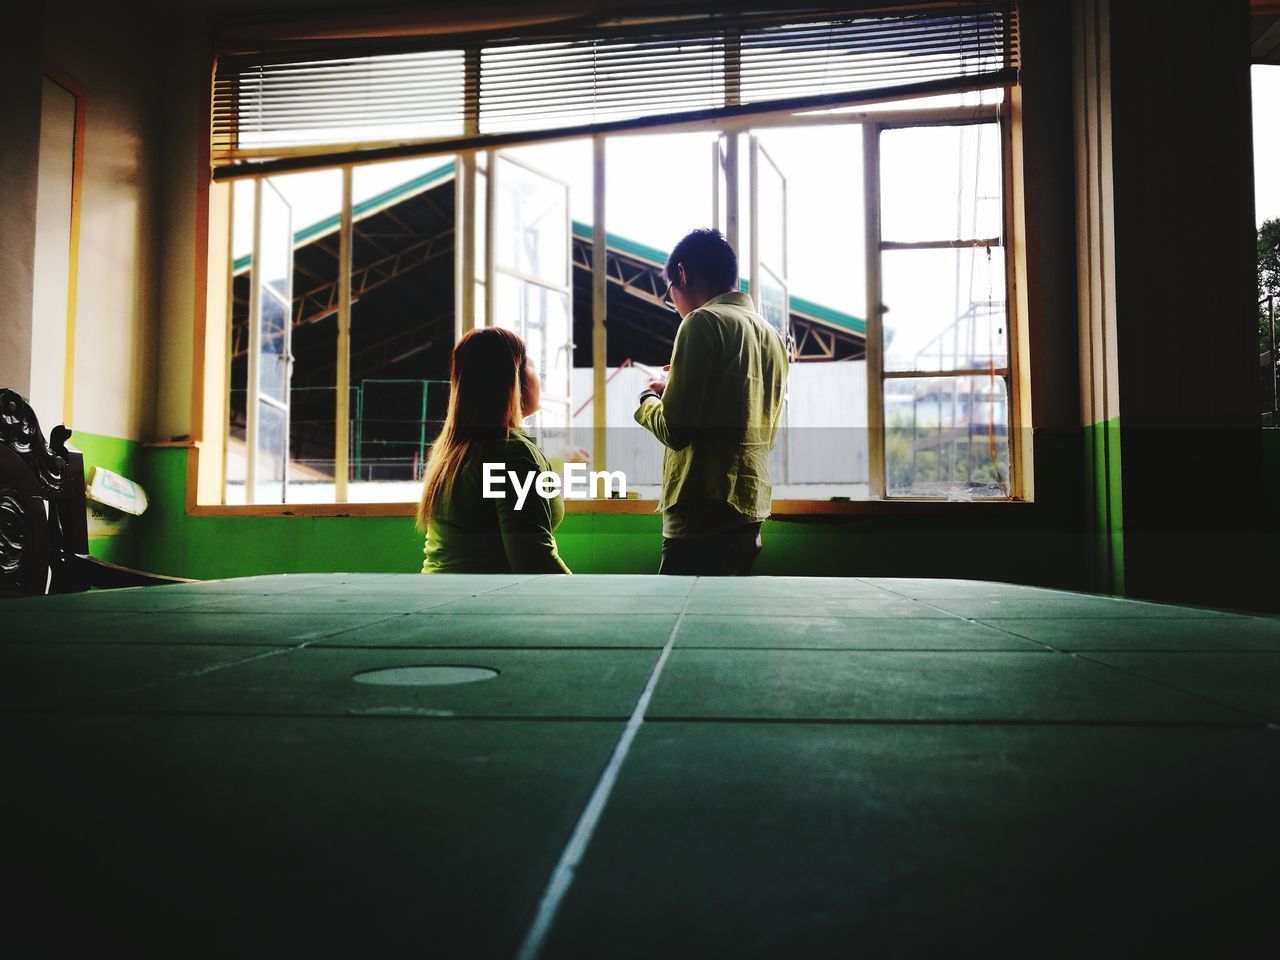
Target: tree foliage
[(1268, 278)]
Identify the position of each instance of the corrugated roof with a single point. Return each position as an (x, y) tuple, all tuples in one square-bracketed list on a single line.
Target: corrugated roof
[(621, 244)]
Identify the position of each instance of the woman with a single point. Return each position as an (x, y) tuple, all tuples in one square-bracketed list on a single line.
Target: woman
[(493, 387)]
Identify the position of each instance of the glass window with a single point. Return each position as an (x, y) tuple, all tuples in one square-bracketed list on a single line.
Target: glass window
[(947, 437), (944, 375), (941, 183), (531, 227), (944, 309)]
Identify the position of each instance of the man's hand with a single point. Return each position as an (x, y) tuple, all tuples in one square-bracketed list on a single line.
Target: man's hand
[(657, 386)]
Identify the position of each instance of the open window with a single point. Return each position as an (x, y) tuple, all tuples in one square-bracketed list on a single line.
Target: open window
[(942, 374), (270, 359), (870, 210), (529, 282)]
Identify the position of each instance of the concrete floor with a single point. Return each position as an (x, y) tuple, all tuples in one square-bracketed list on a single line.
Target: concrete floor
[(804, 768)]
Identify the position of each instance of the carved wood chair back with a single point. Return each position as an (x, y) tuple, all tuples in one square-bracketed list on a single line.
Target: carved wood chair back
[(44, 533)]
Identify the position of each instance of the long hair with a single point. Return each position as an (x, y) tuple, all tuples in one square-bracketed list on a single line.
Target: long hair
[(486, 376)]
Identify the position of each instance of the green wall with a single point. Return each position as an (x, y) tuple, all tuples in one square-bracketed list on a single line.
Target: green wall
[(124, 457), (1042, 543), (1104, 505)]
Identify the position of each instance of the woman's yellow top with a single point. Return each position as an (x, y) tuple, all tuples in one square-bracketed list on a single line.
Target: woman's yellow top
[(474, 534)]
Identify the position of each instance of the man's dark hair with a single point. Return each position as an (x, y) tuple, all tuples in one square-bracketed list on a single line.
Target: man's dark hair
[(707, 258)]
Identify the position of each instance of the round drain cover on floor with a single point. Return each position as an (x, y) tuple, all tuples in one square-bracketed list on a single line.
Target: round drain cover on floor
[(433, 676)]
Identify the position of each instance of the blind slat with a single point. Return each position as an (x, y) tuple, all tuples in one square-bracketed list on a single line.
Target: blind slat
[(270, 108)]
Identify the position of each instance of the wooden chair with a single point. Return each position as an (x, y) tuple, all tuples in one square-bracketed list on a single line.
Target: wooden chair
[(44, 535)]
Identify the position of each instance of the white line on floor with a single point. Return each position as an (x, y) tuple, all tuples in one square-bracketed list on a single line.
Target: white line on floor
[(562, 876)]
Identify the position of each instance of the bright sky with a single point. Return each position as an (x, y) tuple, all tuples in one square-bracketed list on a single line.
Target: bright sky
[(1266, 142)]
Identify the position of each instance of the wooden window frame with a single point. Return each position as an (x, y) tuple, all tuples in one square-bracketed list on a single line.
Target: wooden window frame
[(211, 371)]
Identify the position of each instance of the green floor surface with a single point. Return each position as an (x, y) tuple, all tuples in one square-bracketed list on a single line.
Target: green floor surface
[(89, 676), (314, 681), (837, 841), (1150, 633), (1245, 680), (879, 605), (989, 687), (428, 630), (1065, 606), (834, 633), (196, 626), (286, 837), (827, 768)]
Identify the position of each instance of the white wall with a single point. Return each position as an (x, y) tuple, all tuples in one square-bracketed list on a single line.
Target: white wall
[(824, 442), (824, 439), (20, 79), (115, 326), (53, 253)]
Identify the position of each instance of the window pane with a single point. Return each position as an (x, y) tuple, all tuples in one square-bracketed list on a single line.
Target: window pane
[(242, 223), (826, 235), (569, 161), (773, 299), (298, 237), (269, 482), (531, 224), (394, 422), (275, 240), (941, 183), (541, 317), (402, 322), (273, 363), (946, 437), (315, 200), (659, 188), (822, 442), (773, 221), (945, 309), (379, 184), (311, 435)]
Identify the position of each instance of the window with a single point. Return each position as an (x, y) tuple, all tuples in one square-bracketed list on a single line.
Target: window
[(351, 283), (943, 368)]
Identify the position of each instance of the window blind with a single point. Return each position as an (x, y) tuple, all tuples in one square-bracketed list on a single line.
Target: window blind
[(324, 104)]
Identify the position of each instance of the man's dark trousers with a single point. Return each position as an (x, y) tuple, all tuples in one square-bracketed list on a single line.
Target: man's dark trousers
[(728, 554)]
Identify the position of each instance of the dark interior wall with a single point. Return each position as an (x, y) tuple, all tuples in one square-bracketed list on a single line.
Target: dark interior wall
[(1049, 196), (1183, 184), (1047, 142), (21, 81)]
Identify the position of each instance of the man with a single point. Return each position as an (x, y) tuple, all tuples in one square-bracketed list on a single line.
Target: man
[(717, 414)]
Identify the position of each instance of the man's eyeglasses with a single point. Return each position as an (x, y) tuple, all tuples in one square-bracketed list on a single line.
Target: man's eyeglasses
[(666, 298)]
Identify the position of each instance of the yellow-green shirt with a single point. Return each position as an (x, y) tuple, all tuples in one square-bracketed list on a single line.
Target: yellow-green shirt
[(474, 534), (718, 418)]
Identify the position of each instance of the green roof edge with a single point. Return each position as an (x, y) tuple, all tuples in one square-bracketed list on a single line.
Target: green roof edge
[(798, 304), (362, 209), (582, 230)]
